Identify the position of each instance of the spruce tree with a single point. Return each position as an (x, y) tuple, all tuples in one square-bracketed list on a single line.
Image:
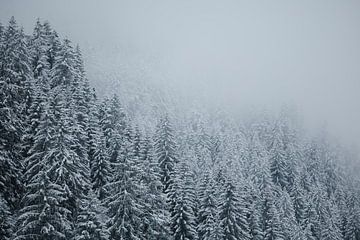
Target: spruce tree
[(181, 198), (39, 46), (272, 227), (351, 214), (256, 213), (124, 204), (100, 169), (63, 70), (233, 214), (278, 165), (286, 212), (208, 219), (66, 166), (43, 215), (14, 77), (39, 86), (89, 223), (6, 223), (80, 96), (165, 151), (92, 127), (155, 212), (298, 198), (53, 43), (113, 127)]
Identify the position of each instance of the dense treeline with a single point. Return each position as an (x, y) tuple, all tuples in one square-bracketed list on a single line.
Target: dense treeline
[(75, 167)]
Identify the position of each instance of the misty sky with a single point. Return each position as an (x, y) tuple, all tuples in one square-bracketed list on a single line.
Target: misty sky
[(235, 53)]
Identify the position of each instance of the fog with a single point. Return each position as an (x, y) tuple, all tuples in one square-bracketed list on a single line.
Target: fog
[(236, 54)]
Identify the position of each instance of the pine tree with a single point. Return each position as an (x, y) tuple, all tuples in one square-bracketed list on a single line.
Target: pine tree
[(112, 121), (181, 198), (33, 115), (92, 127), (278, 166), (272, 228), (256, 223), (89, 223), (14, 76), (40, 84), (316, 210), (351, 213), (66, 166), (35, 162), (286, 212), (208, 220), (39, 53), (165, 151), (100, 169), (124, 204), (67, 80), (1, 34), (63, 70), (330, 226), (233, 214), (299, 201), (5, 220), (155, 212), (42, 215), (80, 96)]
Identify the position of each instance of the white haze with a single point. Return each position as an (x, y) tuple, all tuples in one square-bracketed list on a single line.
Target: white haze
[(236, 54)]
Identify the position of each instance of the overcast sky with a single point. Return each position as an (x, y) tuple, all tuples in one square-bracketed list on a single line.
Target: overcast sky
[(236, 53)]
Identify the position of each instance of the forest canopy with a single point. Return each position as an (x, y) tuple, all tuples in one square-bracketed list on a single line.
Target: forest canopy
[(76, 166)]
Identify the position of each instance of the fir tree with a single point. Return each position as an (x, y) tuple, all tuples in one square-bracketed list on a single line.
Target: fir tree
[(155, 212), (113, 127), (63, 71), (100, 170), (66, 166), (92, 127), (80, 95), (278, 166), (233, 214), (165, 151), (124, 204), (271, 224), (89, 223), (255, 220), (299, 201), (39, 49), (14, 76), (286, 212), (208, 220), (53, 43), (181, 198), (43, 216), (5, 220)]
